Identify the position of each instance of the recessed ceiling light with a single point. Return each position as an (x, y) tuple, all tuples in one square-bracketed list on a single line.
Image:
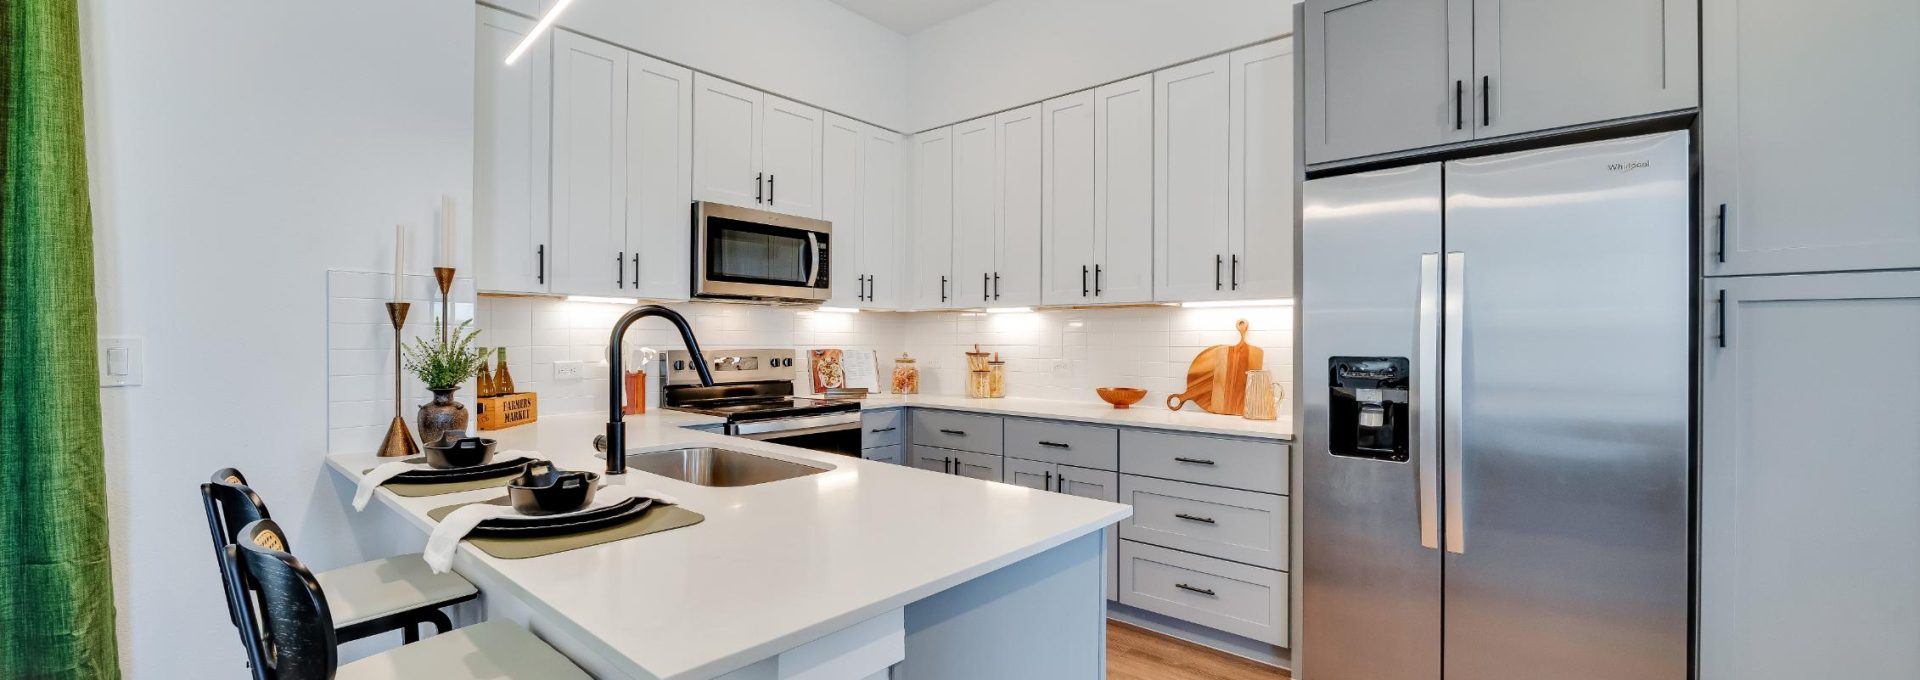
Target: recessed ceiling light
[(609, 300)]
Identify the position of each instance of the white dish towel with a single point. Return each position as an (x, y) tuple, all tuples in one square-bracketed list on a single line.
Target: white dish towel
[(386, 471), (447, 535)]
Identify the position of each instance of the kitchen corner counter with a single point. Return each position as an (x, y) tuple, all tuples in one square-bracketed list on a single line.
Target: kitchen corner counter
[(773, 567), (1097, 412)]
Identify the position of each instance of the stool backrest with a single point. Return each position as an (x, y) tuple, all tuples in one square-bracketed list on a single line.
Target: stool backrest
[(296, 640), (230, 504)]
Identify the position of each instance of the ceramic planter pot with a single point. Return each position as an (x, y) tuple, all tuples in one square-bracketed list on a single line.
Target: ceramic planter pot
[(440, 416)]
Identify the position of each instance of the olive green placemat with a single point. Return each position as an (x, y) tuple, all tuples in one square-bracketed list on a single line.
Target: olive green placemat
[(416, 489), (656, 519)]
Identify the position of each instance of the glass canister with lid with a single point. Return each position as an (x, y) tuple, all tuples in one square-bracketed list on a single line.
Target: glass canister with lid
[(906, 375)]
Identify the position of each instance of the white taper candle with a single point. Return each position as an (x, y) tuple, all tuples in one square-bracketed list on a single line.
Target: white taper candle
[(446, 230), (399, 262)]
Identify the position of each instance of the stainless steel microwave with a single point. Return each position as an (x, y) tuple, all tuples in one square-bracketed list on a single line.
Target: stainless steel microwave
[(742, 253)]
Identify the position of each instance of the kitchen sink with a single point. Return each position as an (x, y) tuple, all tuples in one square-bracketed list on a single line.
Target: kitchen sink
[(709, 466)]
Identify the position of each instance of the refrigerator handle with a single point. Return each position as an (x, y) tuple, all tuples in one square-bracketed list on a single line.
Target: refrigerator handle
[(1425, 416), (1451, 379)]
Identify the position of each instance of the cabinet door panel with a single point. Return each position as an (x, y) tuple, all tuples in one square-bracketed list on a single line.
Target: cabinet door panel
[(1016, 189), (1809, 523), (841, 177), (512, 116), (1123, 241), (790, 156), (1807, 142), (1066, 199), (973, 213), (932, 459), (726, 142), (1384, 75), (880, 214), (983, 466), (1261, 175), (1032, 474), (659, 176), (589, 166), (932, 219), (1554, 63), (1190, 138)]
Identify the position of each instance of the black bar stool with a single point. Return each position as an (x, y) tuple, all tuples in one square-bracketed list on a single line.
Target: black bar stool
[(369, 598), (297, 640)]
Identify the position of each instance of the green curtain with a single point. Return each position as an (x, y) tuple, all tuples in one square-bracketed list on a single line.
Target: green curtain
[(56, 589)]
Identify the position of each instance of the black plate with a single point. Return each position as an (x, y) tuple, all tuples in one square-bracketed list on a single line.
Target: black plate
[(488, 471), (539, 527)]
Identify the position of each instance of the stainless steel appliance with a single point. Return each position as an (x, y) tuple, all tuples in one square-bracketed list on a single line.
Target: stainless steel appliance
[(1497, 416), (753, 390), (744, 253)]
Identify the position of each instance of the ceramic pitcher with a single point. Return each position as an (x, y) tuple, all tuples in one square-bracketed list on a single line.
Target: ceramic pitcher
[(1263, 396)]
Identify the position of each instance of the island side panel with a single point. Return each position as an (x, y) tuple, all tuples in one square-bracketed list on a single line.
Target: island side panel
[(1042, 618)]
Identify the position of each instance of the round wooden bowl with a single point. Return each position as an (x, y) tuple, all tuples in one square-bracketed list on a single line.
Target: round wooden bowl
[(1121, 397)]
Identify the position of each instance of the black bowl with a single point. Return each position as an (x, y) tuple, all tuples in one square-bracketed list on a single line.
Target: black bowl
[(459, 453), (545, 490)]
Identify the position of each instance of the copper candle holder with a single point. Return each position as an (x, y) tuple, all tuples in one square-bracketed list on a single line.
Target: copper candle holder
[(399, 440), (444, 277)]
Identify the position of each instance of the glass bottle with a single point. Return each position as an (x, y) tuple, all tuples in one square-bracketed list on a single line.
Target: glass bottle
[(483, 384), (996, 377), (502, 380)]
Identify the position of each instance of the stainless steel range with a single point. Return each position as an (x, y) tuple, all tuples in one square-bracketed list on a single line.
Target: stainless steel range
[(753, 390)]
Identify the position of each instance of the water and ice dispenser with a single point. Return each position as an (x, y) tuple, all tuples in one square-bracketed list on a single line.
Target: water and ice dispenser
[(1369, 407)]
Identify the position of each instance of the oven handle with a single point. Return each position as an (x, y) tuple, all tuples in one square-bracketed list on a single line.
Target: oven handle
[(813, 267), (792, 427)]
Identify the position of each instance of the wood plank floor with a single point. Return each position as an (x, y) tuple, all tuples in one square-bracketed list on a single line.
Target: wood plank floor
[(1135, 653)]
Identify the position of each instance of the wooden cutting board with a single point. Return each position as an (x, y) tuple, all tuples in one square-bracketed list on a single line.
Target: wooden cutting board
[(1217, 379)]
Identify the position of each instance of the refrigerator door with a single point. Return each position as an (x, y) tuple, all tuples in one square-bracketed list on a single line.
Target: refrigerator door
[(1566, 429), (1369, 304)]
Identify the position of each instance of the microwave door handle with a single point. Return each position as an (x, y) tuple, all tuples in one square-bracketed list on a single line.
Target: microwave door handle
[(813, 266)]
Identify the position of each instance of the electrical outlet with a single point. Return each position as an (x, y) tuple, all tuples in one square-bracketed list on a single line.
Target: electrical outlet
[(568, 370), (1062, 368)]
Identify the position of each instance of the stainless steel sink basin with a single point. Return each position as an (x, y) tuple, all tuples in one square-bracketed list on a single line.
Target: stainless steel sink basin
[(719, 467)]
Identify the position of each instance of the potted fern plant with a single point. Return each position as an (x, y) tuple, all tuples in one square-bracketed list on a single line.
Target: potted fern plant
[(444, 365)]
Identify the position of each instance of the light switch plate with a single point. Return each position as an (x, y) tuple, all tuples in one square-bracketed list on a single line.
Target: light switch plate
[(567, 370), (123, 362)]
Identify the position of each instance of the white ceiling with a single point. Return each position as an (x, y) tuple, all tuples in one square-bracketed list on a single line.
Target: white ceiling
[(909, 16)]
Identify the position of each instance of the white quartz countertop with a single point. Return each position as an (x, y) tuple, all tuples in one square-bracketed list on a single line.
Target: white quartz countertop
[(773, 566), (1099, 412)]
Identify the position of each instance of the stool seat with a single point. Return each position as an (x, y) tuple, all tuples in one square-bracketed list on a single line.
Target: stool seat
[(495, 649), (380, 588)]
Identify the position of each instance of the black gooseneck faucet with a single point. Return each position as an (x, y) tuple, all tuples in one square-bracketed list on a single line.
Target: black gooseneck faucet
[(614, 442)]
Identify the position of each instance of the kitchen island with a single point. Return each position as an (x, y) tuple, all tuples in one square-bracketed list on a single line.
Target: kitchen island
[(864, 564)]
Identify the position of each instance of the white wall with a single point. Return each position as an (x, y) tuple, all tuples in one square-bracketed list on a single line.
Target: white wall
[(1015, 52), (812, 51), (238, 151)]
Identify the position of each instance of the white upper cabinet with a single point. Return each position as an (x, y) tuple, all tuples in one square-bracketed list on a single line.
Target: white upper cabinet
[(1123, 192), (841, 176), (883, 171), (1386, 75), (755, 150), (933, 243), (726, 143), (589, 166), (1017, 188), (974, 213), (1260, 171), (1811, 146), (512, 114), (790, 156), (659, 174), (1192, 243), (1066, 200), (1542, 64)]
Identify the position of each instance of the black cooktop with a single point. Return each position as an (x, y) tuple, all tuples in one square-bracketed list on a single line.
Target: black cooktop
[(741, 402)]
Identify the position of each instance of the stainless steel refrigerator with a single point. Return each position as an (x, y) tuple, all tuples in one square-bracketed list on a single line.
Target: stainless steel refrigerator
[(1495, 379)]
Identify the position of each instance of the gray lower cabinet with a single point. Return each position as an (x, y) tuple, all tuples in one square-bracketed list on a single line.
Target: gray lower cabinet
[(1242, 526), (983, 466), (1246, 601), (1083, 482), (1809, 520), (1032, 474), (1808, 147), (887, 427), (1087, 446), (893, 453), (956, 431), (1254, 465)]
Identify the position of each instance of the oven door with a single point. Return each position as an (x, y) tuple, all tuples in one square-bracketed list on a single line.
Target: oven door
[(832, 433), (746, 253)]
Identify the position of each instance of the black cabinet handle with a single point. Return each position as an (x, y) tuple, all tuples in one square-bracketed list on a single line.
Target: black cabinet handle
[(1217, 261), (879, 430), (1096, 280), (1054, 445), (1233, 275), (1047, 483), (769, 189), (540, 261), (759, 187), (1195, 461), (620, 269), (956, 433), (943, 289), (1194, 518), (986, 293), (1720, 250), (1188, 588), (636, 271), (1060, 483), (996, 285), (1720, 336), (1486, 101), (1083, 280), (1459, 97), (870, 288)]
